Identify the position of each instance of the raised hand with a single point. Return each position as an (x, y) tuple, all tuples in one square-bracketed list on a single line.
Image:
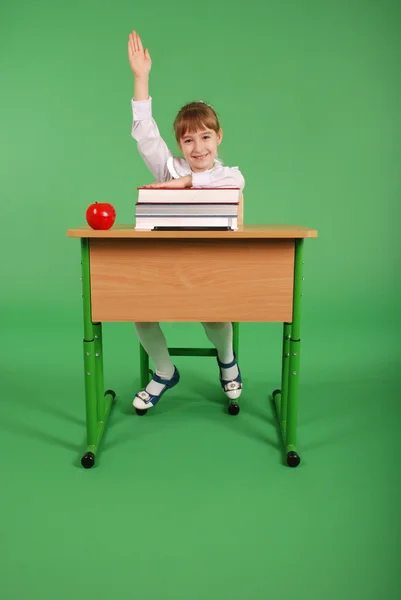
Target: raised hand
[(139, 59)]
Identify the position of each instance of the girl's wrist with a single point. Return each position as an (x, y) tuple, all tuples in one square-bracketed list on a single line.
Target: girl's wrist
[(141, 88)]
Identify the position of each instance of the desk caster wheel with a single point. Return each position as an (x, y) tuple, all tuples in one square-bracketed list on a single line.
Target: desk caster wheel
[(233, 409), (293, 459), (141, 411), (88, 460)]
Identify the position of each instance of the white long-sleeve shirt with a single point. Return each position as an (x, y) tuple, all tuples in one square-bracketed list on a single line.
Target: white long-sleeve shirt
[(160, 160)]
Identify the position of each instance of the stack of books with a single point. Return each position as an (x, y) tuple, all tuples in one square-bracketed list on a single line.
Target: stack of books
[(189, 207)]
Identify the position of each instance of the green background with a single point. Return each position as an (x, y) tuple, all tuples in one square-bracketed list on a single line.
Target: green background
[(189, 502)]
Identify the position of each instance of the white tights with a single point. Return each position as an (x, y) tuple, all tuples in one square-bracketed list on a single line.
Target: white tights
[(152, 339)]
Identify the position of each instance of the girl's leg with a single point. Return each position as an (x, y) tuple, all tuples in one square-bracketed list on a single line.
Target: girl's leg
[(152, 339), (221, 336)]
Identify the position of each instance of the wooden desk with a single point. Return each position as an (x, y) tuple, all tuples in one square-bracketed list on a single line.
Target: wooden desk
[(250, 275)]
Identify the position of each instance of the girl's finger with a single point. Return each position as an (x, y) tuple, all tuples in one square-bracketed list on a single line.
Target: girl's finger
[(135, 41), (131, 39), (140, 47)]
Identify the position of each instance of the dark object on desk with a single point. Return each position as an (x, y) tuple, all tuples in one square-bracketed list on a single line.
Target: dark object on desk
[(189, 228)]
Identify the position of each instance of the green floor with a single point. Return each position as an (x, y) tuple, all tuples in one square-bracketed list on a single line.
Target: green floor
[(189, 502)]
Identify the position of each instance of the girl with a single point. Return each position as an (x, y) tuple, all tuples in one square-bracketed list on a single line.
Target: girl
[(198, 134)]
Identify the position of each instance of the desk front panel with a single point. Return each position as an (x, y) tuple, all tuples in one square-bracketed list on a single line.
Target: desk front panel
[(192, 280)]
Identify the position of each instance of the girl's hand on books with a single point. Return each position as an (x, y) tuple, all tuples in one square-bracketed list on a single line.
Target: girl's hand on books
[(139, 59), (174, 184)]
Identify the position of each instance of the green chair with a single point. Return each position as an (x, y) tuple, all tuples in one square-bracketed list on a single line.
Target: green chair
[(146, 373)]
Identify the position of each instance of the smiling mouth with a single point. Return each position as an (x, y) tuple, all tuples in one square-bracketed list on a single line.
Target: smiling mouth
[(200, 157)]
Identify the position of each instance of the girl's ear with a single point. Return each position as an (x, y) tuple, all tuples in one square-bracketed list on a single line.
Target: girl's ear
[(219, 137)]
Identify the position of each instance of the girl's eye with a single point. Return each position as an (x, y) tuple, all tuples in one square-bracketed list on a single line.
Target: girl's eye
[(204, 137)]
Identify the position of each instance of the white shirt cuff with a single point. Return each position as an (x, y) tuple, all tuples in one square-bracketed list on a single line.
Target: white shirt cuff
[(200, 179), (141, 109)]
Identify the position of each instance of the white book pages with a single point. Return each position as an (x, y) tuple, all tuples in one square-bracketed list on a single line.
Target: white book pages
[(188, 195), (143, 223)]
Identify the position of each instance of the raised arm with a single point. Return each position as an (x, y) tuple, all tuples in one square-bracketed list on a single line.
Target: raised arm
[(151, 145), (141, 64)]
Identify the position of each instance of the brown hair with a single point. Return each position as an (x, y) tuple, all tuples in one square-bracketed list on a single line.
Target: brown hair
[(195, 116)]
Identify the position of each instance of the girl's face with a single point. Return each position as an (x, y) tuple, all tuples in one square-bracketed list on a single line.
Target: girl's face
[(200, 149)]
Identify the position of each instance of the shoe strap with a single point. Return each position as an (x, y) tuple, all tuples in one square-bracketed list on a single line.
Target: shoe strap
[(227, 365), (158, 379)]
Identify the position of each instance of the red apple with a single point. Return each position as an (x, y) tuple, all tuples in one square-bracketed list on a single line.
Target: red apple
[(100, 215)]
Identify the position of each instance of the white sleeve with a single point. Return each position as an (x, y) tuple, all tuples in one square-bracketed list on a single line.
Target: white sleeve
[(219, 177), (151, 145)]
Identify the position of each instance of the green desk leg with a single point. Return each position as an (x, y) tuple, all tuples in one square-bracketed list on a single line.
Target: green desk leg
[(286, 399), (98, 404)]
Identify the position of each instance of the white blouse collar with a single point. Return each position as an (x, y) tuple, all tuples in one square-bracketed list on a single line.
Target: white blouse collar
[(178, 167)]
